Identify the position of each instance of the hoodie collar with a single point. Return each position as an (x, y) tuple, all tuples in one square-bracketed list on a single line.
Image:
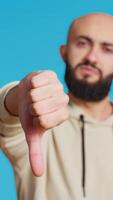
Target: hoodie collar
[(76, 111)]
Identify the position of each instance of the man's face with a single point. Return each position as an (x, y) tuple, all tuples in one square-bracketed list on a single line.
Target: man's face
[(89, 53)]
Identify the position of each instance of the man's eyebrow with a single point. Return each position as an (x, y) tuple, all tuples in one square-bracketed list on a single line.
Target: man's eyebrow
[(108, 44), (84, 37)]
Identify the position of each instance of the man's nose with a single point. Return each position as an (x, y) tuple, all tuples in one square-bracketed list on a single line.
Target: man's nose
[(92, 55)]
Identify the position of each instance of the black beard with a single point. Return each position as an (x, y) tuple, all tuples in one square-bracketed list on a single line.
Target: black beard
[(91, 92)]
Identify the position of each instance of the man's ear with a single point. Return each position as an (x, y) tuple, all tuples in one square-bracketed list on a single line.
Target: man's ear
[(63, 52)]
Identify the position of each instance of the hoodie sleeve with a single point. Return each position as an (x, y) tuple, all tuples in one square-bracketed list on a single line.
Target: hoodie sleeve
[(12, 138)]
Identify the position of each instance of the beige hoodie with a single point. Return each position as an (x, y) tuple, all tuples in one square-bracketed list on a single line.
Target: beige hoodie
[(78, 157)]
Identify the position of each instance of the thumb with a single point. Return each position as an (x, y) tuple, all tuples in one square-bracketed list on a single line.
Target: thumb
[(36, 156)]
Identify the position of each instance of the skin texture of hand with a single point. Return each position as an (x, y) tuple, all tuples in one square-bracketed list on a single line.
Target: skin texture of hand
[(42, 105)]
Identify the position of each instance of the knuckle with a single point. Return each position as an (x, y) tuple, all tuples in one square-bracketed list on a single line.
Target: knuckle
[(31, 95), (33, 82), (34, 95), (38, 108), (44, 122), (35, 109), (31, 75), (52, 73), (32, 109)]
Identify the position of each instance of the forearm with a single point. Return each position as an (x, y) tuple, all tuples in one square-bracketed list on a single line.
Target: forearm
[(11, 101)]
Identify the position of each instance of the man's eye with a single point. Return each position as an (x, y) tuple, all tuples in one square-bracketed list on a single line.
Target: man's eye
[(108, 50), (81, 43)]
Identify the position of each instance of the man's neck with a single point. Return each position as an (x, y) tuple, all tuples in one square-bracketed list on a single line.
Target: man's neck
[(98, 110)]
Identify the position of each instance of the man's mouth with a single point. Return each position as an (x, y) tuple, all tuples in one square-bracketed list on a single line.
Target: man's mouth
[(88, 69)]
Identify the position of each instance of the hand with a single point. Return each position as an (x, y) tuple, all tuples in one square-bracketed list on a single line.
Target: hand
[(42, 105)]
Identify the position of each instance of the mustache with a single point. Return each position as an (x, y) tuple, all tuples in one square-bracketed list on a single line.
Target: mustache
[(87, 63)]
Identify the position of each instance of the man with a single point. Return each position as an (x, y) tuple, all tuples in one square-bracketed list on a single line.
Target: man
[(72, 158)]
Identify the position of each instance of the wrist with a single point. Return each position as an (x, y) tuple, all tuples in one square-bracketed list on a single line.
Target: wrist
[(11, 101)]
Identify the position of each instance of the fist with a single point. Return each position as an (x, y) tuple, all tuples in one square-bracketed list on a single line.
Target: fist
[(47, 100), (42, 105)]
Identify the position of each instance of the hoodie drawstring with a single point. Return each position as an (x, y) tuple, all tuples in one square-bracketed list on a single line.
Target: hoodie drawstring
[(83, 155)]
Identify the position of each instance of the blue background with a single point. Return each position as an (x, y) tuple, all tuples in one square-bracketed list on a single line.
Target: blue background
[(30, 35)]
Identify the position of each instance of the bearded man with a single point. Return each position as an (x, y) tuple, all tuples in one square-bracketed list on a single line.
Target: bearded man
[(66, 139)]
